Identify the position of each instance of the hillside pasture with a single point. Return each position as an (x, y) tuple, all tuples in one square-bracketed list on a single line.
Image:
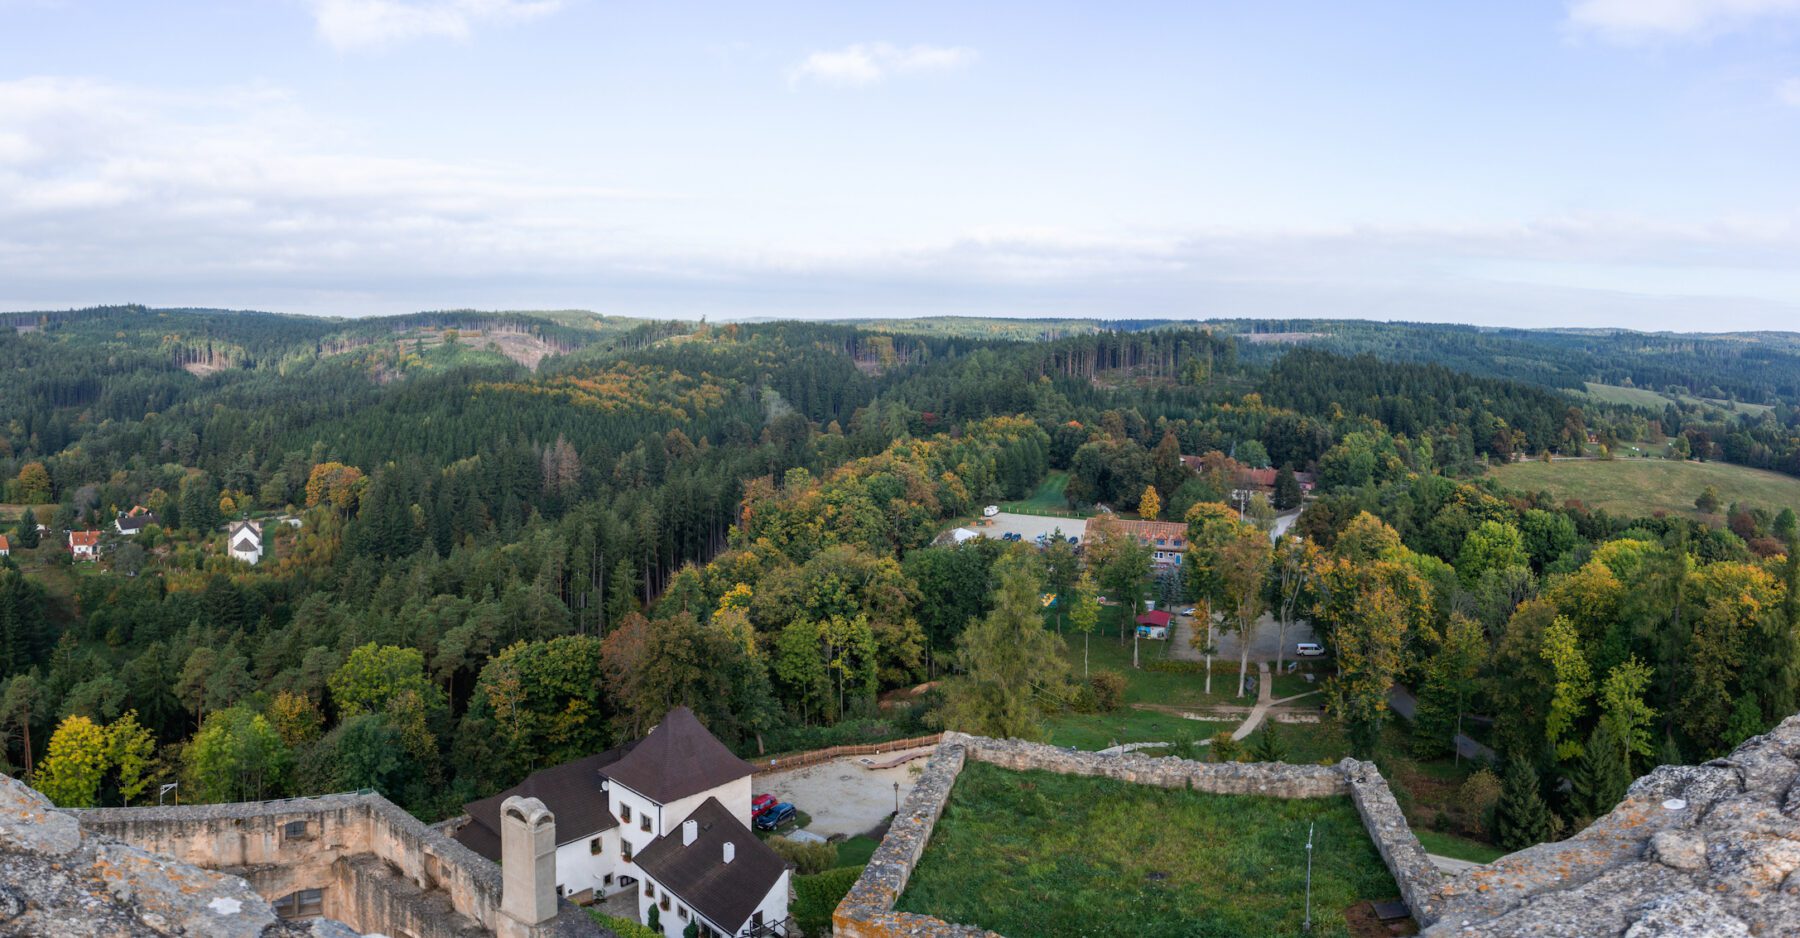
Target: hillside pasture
[(1639, 487)]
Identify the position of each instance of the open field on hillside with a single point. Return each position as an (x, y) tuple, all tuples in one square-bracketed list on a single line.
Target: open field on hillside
[(1637, 487), (1654, 400), (1037, 853)]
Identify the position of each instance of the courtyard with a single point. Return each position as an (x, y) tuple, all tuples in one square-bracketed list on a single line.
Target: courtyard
[(1040, 853)]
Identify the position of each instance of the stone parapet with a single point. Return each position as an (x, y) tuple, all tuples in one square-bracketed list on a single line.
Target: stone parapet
[(1418, 878)]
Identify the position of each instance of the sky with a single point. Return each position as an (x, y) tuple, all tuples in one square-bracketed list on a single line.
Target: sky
[(1528, 163)]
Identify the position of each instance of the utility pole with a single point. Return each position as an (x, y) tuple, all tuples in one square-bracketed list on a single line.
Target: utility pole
[(1307, 925)]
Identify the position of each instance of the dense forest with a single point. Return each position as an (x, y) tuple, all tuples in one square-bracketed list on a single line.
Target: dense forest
[(501, 541)]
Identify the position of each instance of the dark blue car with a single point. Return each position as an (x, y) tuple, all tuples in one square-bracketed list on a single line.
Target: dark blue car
[(775, 816)]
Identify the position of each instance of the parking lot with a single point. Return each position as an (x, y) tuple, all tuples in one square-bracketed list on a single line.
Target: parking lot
[(1028, 527), (844, 796)]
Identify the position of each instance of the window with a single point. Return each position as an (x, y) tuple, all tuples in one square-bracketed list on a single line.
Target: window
[(625, 812), (294, 830), (644, 822), (665, 902), (756, 920), (681, 911), (307, 903), (649, 889), (625, 850), (606, 880), (594, 847)]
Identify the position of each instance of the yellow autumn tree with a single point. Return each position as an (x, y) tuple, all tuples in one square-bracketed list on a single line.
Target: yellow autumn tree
[(70, 774), (1149, 504)]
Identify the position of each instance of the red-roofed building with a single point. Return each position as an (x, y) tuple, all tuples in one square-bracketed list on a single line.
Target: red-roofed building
[(1166, 539), (5, 548), (1154, 624), (84, 545)]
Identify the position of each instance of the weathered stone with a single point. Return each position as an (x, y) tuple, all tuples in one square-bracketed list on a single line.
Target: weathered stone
[(1683, 850), (31, 824)]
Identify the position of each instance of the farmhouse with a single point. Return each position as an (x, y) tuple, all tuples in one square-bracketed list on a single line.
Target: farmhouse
[(245, 540), (135, 520), (1166, 539), (84, 545), (667, 816)]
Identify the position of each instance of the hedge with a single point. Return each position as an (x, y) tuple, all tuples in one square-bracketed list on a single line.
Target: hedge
[(624, 927), (816, 897)]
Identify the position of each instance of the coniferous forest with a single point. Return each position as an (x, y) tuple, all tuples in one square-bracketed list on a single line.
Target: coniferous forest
[(499, 541)]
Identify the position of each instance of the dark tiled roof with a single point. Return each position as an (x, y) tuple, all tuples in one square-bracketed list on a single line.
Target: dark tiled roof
[(571, 791), (136, 522), (699, 876), (679, 758)]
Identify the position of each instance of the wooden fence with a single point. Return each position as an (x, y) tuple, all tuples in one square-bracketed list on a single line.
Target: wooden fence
[(838, 752)]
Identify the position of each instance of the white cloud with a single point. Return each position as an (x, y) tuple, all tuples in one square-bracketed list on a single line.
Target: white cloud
[(349, 24), (1789, 92), (1649, 20), (865, 63)]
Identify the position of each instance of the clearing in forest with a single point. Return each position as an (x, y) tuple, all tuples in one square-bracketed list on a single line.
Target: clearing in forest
[(1638, 487)]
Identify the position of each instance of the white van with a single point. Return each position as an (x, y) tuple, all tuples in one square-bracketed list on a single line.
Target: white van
[(990, 511), (1309, 650)]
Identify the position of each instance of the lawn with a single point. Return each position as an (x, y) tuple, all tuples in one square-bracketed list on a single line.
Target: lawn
[(1458, 848), (1096, 731), (856, 851), (1636, 487), (1036, 853), (1048, 499), (1652, 400)]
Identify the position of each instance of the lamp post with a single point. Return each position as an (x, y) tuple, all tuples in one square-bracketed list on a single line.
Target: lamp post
[(1307, 925), (896, 799), (166, 789)]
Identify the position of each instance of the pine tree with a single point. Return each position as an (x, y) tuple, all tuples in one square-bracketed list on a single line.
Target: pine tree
[(28, 529), (1521, 819), (1601, 776), (1268, 746), (1287, 489)]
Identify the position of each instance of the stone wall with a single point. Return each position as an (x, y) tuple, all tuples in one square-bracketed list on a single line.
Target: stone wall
[(868, 910), (381, 869)]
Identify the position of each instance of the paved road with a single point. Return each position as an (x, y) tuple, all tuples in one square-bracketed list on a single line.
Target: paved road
[(1283, 522), (1404, 703)]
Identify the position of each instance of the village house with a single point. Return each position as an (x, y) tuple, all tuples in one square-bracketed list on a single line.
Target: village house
[(135, 520), (245, 540), (5, 548), (668, 818), (1154, 624), (1166, 539), (84, 545)]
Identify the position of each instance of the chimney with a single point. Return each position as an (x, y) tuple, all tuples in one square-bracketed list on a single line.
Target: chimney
[(689, 831), (527, 862), (730, 851)]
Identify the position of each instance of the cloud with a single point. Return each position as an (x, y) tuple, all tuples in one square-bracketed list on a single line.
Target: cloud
[(865, 63), (1789, 92), (1633, 21), (349, 24)]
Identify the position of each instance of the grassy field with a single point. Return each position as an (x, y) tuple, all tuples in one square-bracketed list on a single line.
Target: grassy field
[(1458, 848), (1048, 499), (856, 851), (1636, 487), (1036, 853), (1653, 400)]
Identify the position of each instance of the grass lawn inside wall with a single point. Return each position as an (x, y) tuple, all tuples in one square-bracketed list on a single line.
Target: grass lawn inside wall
[(1038, 853)]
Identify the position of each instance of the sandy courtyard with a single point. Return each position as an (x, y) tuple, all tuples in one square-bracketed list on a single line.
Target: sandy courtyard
[(843, 796)]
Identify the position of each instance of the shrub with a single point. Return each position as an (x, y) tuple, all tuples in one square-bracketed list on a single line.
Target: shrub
[(1173, 666), (1109, 690), (816, 897), (623, 927), (1226, 749), (1475, 802), (1083, 700), (807, 858)]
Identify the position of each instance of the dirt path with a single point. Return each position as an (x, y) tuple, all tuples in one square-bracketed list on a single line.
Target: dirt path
[(1264, 697)]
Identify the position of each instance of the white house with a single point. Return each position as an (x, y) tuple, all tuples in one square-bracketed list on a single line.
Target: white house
[(84, 545), (619, 817), (135, 520), (245, 540)]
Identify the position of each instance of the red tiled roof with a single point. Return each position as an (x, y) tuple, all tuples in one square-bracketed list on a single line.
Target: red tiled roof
[(84, 538), (1156, 617)]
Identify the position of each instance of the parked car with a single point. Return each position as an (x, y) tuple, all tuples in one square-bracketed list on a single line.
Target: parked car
[(1309, 650), (762, 803), (776, 816), (990, 511)]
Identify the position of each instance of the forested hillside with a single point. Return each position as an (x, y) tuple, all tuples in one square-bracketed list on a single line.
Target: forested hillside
[(478, 565)]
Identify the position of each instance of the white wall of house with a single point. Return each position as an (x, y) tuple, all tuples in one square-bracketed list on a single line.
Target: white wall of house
[(734, 795), (631, 808), (579, 868), (774, 907)]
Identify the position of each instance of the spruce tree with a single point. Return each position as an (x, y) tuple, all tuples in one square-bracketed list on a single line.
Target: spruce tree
[(1287, 489), (1600, 776), (1521, 819), (1268, 746), (28, 529)]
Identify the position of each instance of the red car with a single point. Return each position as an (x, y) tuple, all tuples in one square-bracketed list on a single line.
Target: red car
[(762, 803)]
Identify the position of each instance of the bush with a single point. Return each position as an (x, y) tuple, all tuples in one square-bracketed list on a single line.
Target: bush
[(808, 859), (816, 897), (1226, 749), (1083, 700), (623, 927), (1109, 690), (790, 738), (1173, 666), (1475, 802)]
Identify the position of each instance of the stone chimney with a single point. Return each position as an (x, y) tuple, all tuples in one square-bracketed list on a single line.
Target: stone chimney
[(527, 864), (730, 851), (689, 830)]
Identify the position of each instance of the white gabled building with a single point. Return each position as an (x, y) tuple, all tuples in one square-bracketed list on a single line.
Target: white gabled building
[(619, 826), (245, 541)]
